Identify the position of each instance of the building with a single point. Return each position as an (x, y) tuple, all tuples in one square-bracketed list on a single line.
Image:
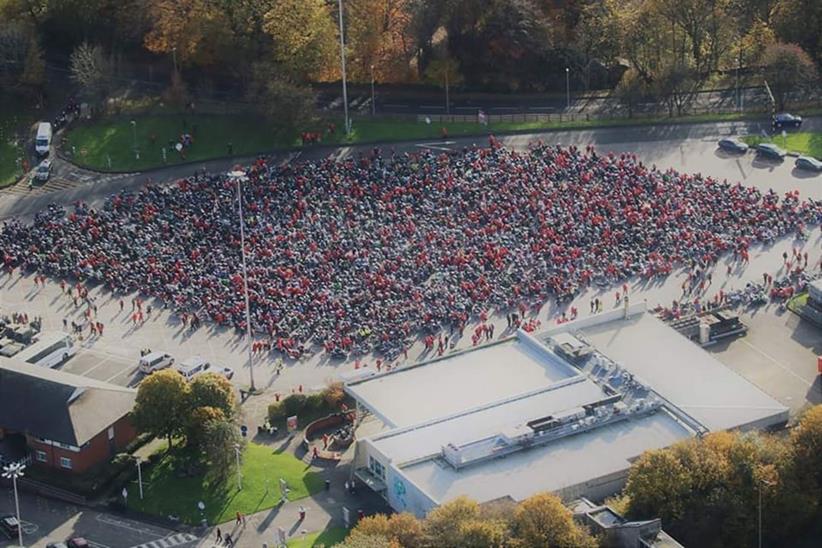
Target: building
[(60, 420), (614, 531), (566, 410), (813, 310)]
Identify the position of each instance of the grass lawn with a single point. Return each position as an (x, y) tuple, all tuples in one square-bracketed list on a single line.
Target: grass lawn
[(327, 538), (93, 145), (165, 493), (806, 143), (797, 302)]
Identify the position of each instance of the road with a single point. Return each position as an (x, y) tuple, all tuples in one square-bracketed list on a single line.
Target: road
[(90, 187), (46, 520)]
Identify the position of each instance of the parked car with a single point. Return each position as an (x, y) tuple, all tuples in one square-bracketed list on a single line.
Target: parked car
[(226, 372), (808, 163), (77, 542), (10, 526), (43, 171), (191, 367), (785, 120), (56, 545), (732, 144), (770, 150), (155, 361), (42, 141)]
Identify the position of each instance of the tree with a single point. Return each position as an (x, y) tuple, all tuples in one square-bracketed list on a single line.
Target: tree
[(90, 70), (676, 86), (161, 407), (34, 70), (305, 41), (404, 529), (631, 90), (596, 36), (367, 541), (213, 390), (198, 423), (798, 22), (380, 34), (787, 68), (542, 520), (657, 484), (806, 444), (443, 525), (222, 442), (483, 533), (14, 46), (288, 105)]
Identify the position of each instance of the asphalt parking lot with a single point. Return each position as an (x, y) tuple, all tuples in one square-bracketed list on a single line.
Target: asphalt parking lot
[(103, 367), (778, 354)]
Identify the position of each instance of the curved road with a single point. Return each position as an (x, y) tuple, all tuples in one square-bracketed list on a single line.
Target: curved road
[(98, 186)]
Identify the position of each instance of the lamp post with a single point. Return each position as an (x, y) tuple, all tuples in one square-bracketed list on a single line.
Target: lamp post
[(140, 476), (174, 57), (568, 87), (134, 138), (373, 104), (342, 66), (13, 471), (447, 98), (239, 177), (239, 472), (759, 484)]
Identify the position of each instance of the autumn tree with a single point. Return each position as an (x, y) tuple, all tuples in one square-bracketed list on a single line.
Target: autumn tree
[(198, 423), (213, 390), (806, 444), (461, 523), (631, 89), (305, 41), (287, 104), (799, 22), (787, 68), (161, 408), (403, 529), (380, 34), (542, 520), (223, 440)]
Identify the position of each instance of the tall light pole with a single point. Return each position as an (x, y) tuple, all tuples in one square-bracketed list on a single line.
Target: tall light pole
[(140, 476), (239, 177), (447, 98), (239, 472), (568, 87), (13, 471), (174, 57), (134, 138), (373, 104), (342, 65), (759, 483)]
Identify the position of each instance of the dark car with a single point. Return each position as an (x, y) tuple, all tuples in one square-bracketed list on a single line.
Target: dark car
[(10, 526), (732, 144), (770, 150), (784, 119), (56, 545), (808, 163)]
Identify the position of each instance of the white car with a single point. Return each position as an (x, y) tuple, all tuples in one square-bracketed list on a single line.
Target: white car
[(155, 361), (43, 171)]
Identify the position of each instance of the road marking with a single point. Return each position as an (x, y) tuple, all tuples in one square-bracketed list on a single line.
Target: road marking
[(103, 518), (777, 363), (432, 106), (97, 544), (169, 542), (101, 362), (441, 146)]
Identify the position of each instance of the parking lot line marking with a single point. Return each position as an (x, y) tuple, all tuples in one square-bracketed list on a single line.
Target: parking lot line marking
[(126, 371), (92, 368), (777, 363)]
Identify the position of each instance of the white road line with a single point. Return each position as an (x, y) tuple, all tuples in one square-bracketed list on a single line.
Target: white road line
[(103, 518), (777, 363), (101, 362)]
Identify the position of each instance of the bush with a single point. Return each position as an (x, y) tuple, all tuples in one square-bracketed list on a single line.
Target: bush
[(319, 403), (294, 404), (276, 412), (334, 395)]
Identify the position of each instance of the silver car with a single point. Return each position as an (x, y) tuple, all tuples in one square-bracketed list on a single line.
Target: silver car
[(43, 171)]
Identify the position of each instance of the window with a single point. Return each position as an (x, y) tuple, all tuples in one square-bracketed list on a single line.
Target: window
[(65, 462), (376, 467), (40, 456), (111, 432)]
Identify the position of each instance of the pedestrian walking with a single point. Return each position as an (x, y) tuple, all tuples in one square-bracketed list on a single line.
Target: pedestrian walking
[(219, 535), (239, 518)]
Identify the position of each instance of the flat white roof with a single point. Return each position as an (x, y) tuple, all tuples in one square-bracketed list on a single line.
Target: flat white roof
[(460, 382), (403, 445), (683, 373), (564, 463)]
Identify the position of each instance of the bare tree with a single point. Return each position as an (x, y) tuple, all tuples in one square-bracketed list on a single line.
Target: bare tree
[(91, 70)]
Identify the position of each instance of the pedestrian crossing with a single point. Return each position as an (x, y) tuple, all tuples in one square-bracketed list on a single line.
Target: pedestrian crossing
[(170, 541)]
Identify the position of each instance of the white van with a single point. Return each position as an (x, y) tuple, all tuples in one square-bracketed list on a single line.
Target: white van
[(192, 367), (42, 143), (155, 361)]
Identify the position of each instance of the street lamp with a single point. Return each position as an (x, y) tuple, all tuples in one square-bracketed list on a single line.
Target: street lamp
[(239, 472), (568, 87), (201, 508), (134, 138), (447, 98), (342, 65), (174, 57), (139, 476), (13, 471), (373, 104), (240, 177)]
